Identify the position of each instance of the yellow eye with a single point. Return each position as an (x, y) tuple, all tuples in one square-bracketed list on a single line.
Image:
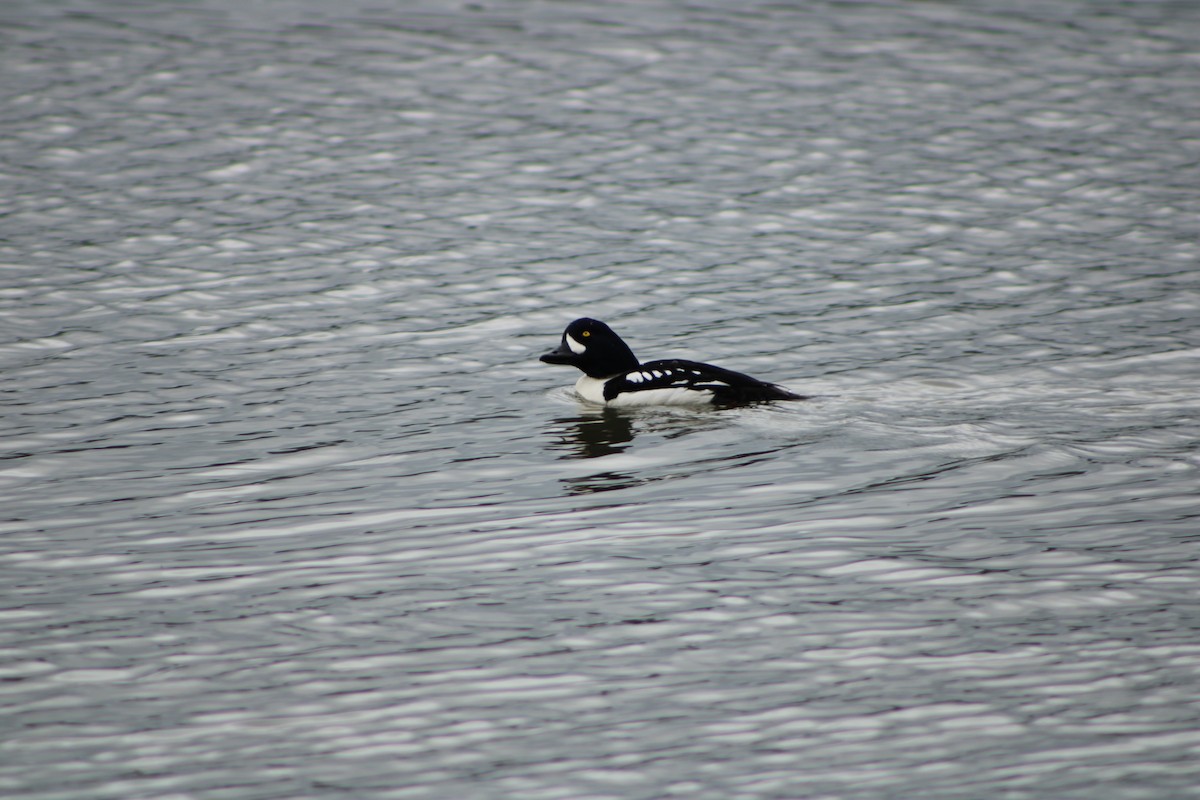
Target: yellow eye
[(587, 334)]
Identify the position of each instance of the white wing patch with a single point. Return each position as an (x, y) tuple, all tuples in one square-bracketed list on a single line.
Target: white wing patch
[(665, 386)]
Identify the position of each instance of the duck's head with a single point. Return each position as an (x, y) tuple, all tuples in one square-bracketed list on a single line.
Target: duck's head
[(592, 346)]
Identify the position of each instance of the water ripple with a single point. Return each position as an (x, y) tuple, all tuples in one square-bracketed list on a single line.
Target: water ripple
[(291, 508)]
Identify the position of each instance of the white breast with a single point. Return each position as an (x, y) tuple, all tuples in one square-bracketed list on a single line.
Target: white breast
[(591, 389)]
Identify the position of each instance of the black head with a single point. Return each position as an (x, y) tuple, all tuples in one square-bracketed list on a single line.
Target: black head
[(591, 346)]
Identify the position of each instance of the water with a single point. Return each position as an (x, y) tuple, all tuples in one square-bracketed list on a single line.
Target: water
[(291, 509)]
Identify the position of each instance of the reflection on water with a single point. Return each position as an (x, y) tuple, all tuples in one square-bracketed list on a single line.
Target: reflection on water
[(603, 432), (590, 435), (291, 509)]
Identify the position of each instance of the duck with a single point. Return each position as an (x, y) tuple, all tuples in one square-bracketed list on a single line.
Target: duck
[(613, 375)]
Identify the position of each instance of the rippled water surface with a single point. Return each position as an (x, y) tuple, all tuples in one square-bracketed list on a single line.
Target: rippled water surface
[(291, 509)]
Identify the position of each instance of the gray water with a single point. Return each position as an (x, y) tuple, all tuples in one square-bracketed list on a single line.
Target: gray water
[(292, 510)]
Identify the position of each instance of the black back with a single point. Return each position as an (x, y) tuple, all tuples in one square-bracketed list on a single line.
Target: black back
[(727, 386)]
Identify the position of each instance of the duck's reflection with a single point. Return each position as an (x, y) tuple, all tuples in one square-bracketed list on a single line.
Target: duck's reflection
[(600, 432), (593, 434)]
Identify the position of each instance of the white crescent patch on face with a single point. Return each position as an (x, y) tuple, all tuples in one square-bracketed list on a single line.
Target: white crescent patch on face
[(575, 346)]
